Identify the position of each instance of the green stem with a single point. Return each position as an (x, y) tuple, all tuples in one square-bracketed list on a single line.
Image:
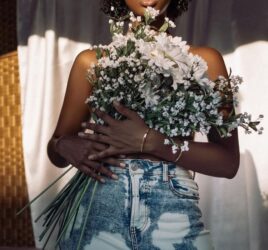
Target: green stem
[(72, 202), (61, 194), (87, 214), (74, 221), (65, 199), (66, 214), (52, 229), (29, 203), (41, 236), (74, 210)]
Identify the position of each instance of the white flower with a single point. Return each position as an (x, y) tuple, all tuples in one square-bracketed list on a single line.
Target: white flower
[(132, 17), (166, 142), (185, 146), (151, 12), (170, 23), (174, 149), (151, 99), (199, 66)]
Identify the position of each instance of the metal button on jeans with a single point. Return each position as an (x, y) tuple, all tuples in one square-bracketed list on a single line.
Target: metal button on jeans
[(134, 167)]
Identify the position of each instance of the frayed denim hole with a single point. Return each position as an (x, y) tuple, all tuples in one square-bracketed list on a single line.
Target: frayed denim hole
[(182, 191)]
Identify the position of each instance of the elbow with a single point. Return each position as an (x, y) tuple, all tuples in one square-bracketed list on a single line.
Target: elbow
[(50, 152), (54, 157), (233, 168)]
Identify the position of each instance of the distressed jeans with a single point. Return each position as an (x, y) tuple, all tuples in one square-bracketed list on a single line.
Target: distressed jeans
[(153, 206)]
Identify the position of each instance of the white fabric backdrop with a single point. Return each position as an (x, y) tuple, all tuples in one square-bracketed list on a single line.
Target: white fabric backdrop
[(52, 32)]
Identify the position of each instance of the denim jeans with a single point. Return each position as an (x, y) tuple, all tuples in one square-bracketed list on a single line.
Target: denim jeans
[(153, 206)]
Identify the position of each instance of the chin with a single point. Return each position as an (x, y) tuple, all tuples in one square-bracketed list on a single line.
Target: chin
[(139, 7)]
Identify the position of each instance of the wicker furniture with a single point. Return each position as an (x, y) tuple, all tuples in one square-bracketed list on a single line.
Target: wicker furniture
[(14, 231)]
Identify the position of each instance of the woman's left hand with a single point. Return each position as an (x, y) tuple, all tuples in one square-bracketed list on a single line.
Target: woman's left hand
[(123, 136)]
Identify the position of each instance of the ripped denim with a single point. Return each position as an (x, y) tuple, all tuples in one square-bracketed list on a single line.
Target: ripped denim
[(153, 206)]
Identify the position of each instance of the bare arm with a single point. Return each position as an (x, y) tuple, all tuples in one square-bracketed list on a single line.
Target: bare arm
[(74, 110), (65, 147)]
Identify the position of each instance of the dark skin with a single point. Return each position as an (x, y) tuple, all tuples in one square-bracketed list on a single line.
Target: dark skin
[(89, 153)]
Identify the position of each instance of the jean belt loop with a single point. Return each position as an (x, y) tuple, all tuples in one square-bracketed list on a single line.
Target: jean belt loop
[(165, 171)]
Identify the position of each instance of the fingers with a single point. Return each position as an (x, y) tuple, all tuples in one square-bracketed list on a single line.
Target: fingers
[(104, 154), (95, 137), (99, 146), (90, 172), (96, 128), (99, 167), (125, 111), (101, 155), (94, 169), (105, 117), (102, 139), (114, 162)]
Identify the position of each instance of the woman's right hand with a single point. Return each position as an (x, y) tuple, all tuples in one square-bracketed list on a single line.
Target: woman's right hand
[(75, 151)]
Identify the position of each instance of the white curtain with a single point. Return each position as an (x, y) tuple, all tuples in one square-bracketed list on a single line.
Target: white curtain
[(52, 32)]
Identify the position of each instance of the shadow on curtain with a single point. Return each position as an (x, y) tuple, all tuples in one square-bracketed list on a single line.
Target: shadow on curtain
[(224, 25), (234, 209)]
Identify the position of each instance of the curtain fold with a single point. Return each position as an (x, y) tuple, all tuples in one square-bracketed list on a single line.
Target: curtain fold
[(52, 32)]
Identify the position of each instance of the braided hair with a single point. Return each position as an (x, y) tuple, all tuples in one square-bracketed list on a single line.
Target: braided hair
[(175, 8)]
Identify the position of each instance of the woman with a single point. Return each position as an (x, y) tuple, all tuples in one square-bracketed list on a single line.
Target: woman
[(148, 199)]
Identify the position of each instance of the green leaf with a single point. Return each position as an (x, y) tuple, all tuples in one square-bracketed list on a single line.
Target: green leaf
[(164, 27), (98, 53), (146, 17)]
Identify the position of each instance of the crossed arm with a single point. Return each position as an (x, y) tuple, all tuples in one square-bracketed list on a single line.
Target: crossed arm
[(218, 157)]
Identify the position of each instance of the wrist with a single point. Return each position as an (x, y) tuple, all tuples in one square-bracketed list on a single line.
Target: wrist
[(155, 146), (153, 140), (144, 140)]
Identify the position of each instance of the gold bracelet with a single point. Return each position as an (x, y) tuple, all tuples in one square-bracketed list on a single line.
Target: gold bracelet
[(178, 157), (144, 139)]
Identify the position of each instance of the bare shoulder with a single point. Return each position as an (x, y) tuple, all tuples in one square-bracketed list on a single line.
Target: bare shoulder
[(207, 53), (214, 59), (86, 58)]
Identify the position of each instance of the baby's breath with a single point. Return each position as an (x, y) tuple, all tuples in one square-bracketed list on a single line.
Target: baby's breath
[(155, 75)]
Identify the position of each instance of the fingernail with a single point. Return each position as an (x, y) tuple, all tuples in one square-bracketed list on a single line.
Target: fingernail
[(102, 180), (91, 157), (81, 134), (114, 176), (122, 165), (83, 124)]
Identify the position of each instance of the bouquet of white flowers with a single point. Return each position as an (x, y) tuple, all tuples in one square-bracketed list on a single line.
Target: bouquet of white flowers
[(154, 74)]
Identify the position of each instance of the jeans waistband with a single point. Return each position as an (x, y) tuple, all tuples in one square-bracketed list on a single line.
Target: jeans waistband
[(149, 167)]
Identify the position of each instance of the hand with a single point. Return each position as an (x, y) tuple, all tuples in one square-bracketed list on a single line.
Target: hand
[(123, 137), (76, 150)]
